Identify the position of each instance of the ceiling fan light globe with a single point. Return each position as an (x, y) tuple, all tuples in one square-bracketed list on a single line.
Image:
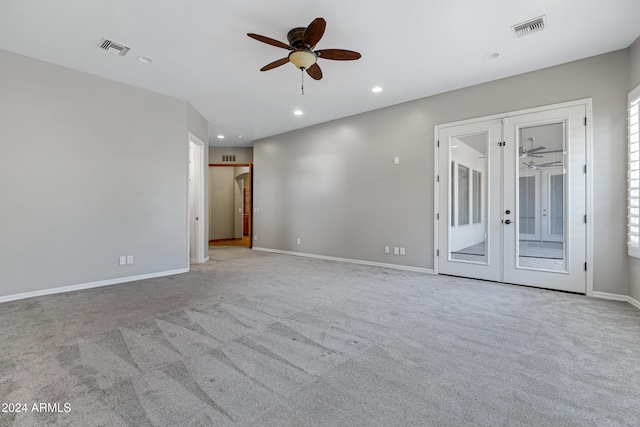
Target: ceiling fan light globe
[(302, 59)]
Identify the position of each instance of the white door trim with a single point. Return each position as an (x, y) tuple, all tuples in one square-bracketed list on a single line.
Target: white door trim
[(201, 243), (588, 103)]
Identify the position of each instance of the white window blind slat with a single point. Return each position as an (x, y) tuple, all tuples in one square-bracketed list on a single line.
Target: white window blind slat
[(633, 163)]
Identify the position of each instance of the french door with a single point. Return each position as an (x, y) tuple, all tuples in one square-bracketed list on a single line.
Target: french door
[(511, 199)]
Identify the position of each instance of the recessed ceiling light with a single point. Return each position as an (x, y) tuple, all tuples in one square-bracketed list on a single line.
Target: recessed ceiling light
[(240, 136), (492, 55), (220, 136), (376, 89), (145, 59), (298, 112)]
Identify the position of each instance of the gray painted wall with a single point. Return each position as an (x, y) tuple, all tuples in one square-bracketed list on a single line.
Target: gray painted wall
[(634, 263), (634, 63), (335, 186), (90, 170)]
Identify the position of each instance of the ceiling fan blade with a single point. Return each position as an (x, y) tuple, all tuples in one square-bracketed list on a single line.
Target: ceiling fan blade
[(270, 41), (275, 64), (314, 32), (550, 151), (533, 150), (550, 163), (338, 54), (315, 72)]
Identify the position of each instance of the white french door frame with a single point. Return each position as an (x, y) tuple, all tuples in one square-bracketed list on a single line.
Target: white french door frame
[(588, 104)]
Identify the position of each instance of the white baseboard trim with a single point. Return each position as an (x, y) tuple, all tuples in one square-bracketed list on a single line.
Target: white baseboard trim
[(91, 285), (616, 297), (348, 260)]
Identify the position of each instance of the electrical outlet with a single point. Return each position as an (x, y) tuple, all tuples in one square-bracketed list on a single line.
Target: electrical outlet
[(396, 160), (255, 237), (396, 251), (386, 249), (123, 260), (298, 240), (129, 259), (402, 251)]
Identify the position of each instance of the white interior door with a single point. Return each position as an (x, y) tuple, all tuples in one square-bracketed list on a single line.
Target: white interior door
[(469, 231), (554, 143), (192, 203), (195, 223), (517, 216)]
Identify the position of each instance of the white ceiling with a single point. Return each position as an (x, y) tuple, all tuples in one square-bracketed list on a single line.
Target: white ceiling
[(412, 48)]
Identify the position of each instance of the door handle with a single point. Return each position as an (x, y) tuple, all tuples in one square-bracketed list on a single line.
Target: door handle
[(508, 221)]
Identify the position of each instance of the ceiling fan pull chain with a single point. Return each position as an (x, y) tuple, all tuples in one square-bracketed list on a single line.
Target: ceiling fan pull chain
[(302, 79)]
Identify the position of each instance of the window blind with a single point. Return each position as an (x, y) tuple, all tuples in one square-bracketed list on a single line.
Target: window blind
[(633, 199)]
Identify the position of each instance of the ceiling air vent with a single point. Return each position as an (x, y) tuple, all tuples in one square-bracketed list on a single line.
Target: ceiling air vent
[(114, 47), (529, 27)]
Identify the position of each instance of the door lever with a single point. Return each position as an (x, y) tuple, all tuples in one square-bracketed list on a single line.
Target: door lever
[(508, 221)]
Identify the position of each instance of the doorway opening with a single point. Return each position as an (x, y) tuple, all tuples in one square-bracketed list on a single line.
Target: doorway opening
[(196, 239), (231, 201)]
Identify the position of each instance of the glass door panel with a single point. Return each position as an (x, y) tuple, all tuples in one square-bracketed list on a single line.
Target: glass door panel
[(468, 229), (540, 241)]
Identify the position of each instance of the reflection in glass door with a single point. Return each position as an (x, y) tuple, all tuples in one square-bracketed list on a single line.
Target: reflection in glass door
[(468, 232), (541, 152)]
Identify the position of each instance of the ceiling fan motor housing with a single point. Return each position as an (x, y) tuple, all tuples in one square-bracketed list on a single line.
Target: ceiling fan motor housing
[(295, 37)]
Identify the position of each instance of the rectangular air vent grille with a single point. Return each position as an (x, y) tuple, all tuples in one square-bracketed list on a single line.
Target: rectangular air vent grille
[(228, 158), (114, 47), (529, 27)]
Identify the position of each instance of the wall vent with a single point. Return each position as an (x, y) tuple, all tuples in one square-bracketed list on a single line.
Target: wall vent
[(530, 27), (228, 158), (114, 47)]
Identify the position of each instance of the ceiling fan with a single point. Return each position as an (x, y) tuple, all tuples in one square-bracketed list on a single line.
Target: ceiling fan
[(302, 41), (536, 152), (533, 152), (533, 165)]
